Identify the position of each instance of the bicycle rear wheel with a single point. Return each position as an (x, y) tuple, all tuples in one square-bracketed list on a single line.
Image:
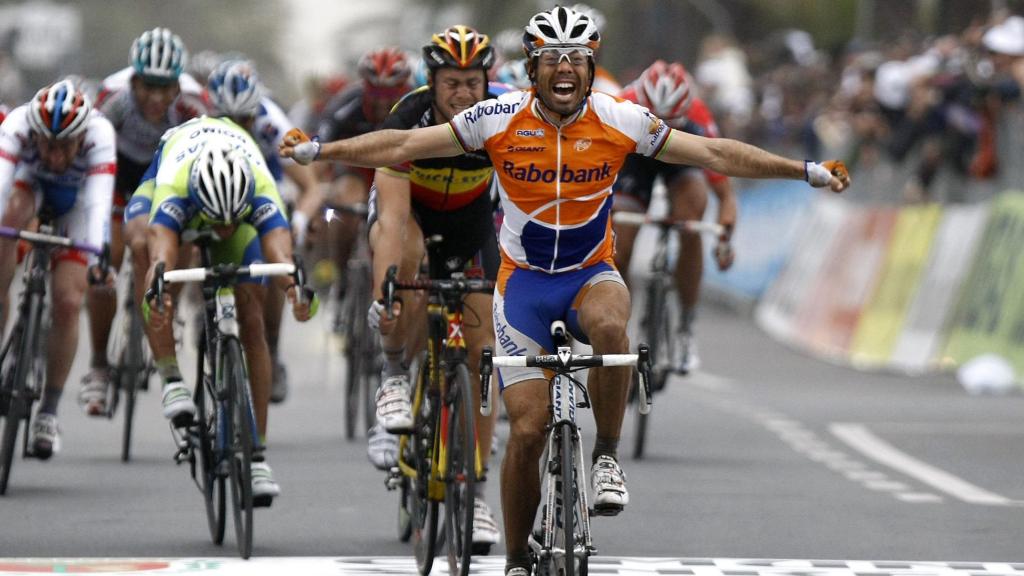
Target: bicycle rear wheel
[(211, 480), (425, 536), (460, 478), (240, 439)]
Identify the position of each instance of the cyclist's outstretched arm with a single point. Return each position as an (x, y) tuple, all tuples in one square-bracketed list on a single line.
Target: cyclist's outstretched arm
[(735, 158), (376, 149)]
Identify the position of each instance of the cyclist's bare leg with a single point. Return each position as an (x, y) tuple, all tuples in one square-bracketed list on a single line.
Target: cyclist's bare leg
[(689, 197), (69, 285), (102, 300), (526, 404), (479, 328), (21, 207), (603, 314), (250, 298)]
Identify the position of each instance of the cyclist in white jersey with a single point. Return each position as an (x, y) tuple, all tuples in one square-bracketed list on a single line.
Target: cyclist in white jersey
[(57, 161), (556, 151), (142, 102), (235, 91)]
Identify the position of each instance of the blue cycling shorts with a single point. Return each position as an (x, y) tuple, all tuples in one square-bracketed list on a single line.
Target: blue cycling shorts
[(526, 302)]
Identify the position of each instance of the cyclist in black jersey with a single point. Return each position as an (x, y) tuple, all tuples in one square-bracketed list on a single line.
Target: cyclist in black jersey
[(418, 199)]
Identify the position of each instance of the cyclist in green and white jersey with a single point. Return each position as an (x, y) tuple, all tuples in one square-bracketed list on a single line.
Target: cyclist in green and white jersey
[(210, 174)]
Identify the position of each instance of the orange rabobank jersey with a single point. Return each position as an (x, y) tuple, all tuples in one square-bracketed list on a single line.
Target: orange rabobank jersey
[(556, 182)]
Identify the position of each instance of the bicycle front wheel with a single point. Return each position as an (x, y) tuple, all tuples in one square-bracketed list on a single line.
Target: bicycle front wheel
[(211, 480), (566, 505), (658, 334), (21, 355), (240, 438), (460, 477), (425, 536)]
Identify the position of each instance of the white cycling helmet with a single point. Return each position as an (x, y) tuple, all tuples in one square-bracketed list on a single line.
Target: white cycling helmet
[(560, 27), (234, 88), (59, 111), (221, 181), (159, 55)]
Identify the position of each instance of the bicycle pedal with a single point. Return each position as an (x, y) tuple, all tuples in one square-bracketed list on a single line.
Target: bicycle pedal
[(182, 421), (394, 479), (481, 549), (606, 510), (262, 501)]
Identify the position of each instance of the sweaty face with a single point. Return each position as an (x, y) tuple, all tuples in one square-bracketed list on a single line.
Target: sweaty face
[(154, 99), (456, 90), (562, 79), (57, 155)]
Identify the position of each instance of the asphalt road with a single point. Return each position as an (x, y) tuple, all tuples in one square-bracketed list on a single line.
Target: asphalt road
[(765, 453)]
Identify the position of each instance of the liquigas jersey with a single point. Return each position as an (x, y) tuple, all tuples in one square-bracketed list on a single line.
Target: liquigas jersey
[(174, 208), (556, 182)]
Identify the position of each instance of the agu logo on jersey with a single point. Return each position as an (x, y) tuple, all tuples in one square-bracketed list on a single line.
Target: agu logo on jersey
[(531, 173), (538, 133)]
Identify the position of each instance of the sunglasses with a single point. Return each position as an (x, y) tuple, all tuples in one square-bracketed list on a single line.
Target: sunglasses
[(553, 55)]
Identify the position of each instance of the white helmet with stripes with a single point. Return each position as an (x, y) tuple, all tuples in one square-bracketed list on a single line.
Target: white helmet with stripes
[(59, 111), (159, 55), (221, 181), (234, 88)]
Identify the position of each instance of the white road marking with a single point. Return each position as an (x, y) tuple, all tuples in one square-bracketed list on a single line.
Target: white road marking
[(494, 566), (858, 436)]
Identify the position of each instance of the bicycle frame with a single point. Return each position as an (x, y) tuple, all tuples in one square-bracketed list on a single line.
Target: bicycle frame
[(446, 348)]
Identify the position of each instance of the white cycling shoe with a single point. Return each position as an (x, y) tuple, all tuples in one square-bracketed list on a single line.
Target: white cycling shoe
[(609, 484), (394, 409)]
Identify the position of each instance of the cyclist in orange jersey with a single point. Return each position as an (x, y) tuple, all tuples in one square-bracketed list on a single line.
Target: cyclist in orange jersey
[(556, 150)]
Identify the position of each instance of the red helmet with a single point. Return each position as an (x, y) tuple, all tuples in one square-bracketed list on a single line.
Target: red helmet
[(665, 90), (385, 68)]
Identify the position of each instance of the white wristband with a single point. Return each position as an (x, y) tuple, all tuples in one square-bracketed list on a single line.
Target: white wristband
[(306, 152), (816, 174)]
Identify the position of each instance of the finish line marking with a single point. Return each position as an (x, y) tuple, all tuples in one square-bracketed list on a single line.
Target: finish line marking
[(494, 566)]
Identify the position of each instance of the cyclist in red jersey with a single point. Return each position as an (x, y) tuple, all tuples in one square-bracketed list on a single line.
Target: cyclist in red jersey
[(360, 108), (668, 92), (556, 150)]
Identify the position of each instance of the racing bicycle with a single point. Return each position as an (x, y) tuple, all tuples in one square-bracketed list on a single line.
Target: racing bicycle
[(562, 544)]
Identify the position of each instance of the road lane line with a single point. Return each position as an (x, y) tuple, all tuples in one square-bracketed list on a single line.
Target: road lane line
[(858, 436)]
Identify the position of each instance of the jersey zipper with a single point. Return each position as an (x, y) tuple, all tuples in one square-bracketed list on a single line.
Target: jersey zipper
[(558, 194)]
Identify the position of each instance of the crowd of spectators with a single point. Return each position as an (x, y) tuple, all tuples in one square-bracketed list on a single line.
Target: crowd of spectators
[(923, 106), (927, 105)]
